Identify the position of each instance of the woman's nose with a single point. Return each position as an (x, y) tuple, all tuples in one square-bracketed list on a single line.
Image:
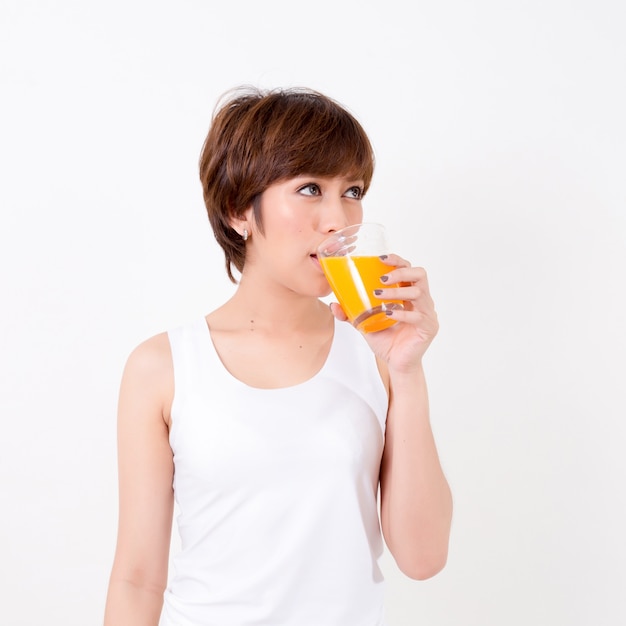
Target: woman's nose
[(334, 216)]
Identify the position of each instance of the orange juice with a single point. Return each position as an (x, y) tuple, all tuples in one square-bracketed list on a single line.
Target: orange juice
[(353, 280)]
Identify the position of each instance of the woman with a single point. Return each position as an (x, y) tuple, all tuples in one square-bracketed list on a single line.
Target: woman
[(272, 422)]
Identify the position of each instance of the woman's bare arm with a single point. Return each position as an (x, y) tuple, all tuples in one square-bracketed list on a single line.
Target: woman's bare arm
[(145, 463), (416, 505)]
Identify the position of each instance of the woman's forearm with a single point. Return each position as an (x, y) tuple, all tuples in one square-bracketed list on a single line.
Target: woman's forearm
[(416, 503)]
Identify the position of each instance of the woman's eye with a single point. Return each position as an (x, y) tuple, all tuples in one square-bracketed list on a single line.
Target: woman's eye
[(355, 192), (310, 189)]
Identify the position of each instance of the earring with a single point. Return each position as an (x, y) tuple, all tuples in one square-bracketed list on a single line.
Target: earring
[(245, 234)]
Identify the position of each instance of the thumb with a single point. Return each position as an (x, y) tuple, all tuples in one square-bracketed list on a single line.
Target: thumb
[(338, 312)]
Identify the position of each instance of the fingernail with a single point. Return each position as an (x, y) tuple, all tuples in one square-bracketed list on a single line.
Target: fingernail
[(378, 292), (389, 312), (382, 257), (384, 279)]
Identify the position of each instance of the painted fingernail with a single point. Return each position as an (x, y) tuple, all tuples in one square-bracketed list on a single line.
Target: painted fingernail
[(389, 312), (378, 292), (384, 279), (382, 257)]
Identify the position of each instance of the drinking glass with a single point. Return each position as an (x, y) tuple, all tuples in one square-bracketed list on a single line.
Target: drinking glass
[(350, 259)]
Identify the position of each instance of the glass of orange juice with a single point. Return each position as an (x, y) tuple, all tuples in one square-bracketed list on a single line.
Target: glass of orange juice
[(350, 259)]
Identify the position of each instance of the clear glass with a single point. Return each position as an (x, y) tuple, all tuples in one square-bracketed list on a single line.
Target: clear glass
[(350, 259)]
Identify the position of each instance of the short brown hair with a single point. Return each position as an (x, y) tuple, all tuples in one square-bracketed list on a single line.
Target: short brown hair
[(258, 138)]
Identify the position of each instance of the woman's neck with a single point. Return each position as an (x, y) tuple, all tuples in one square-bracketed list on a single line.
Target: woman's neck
[(273, 309)]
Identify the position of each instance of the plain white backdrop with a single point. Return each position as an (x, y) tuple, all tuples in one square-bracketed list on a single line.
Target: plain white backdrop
[(500, 134)]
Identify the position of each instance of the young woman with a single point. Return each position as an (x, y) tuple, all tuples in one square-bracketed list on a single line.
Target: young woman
[(272, 422)]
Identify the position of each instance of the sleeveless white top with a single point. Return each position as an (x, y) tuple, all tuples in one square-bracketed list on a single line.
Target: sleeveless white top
[(276, 491)]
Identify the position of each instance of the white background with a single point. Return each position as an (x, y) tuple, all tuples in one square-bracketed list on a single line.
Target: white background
[(500, 134)]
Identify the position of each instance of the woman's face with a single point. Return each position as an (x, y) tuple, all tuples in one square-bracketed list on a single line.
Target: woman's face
[(297, 215)]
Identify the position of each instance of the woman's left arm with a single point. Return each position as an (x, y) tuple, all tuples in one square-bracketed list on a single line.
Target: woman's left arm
[(416, 503)]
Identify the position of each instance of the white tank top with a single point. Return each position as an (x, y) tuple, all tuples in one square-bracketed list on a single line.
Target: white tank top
[(276, 491)]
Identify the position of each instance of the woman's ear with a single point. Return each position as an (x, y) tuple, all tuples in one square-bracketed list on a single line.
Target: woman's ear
[(243, 223)]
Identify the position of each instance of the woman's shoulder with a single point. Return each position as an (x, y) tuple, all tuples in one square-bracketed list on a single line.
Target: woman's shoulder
[(147, 386), (151, 355), (149, 366)]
